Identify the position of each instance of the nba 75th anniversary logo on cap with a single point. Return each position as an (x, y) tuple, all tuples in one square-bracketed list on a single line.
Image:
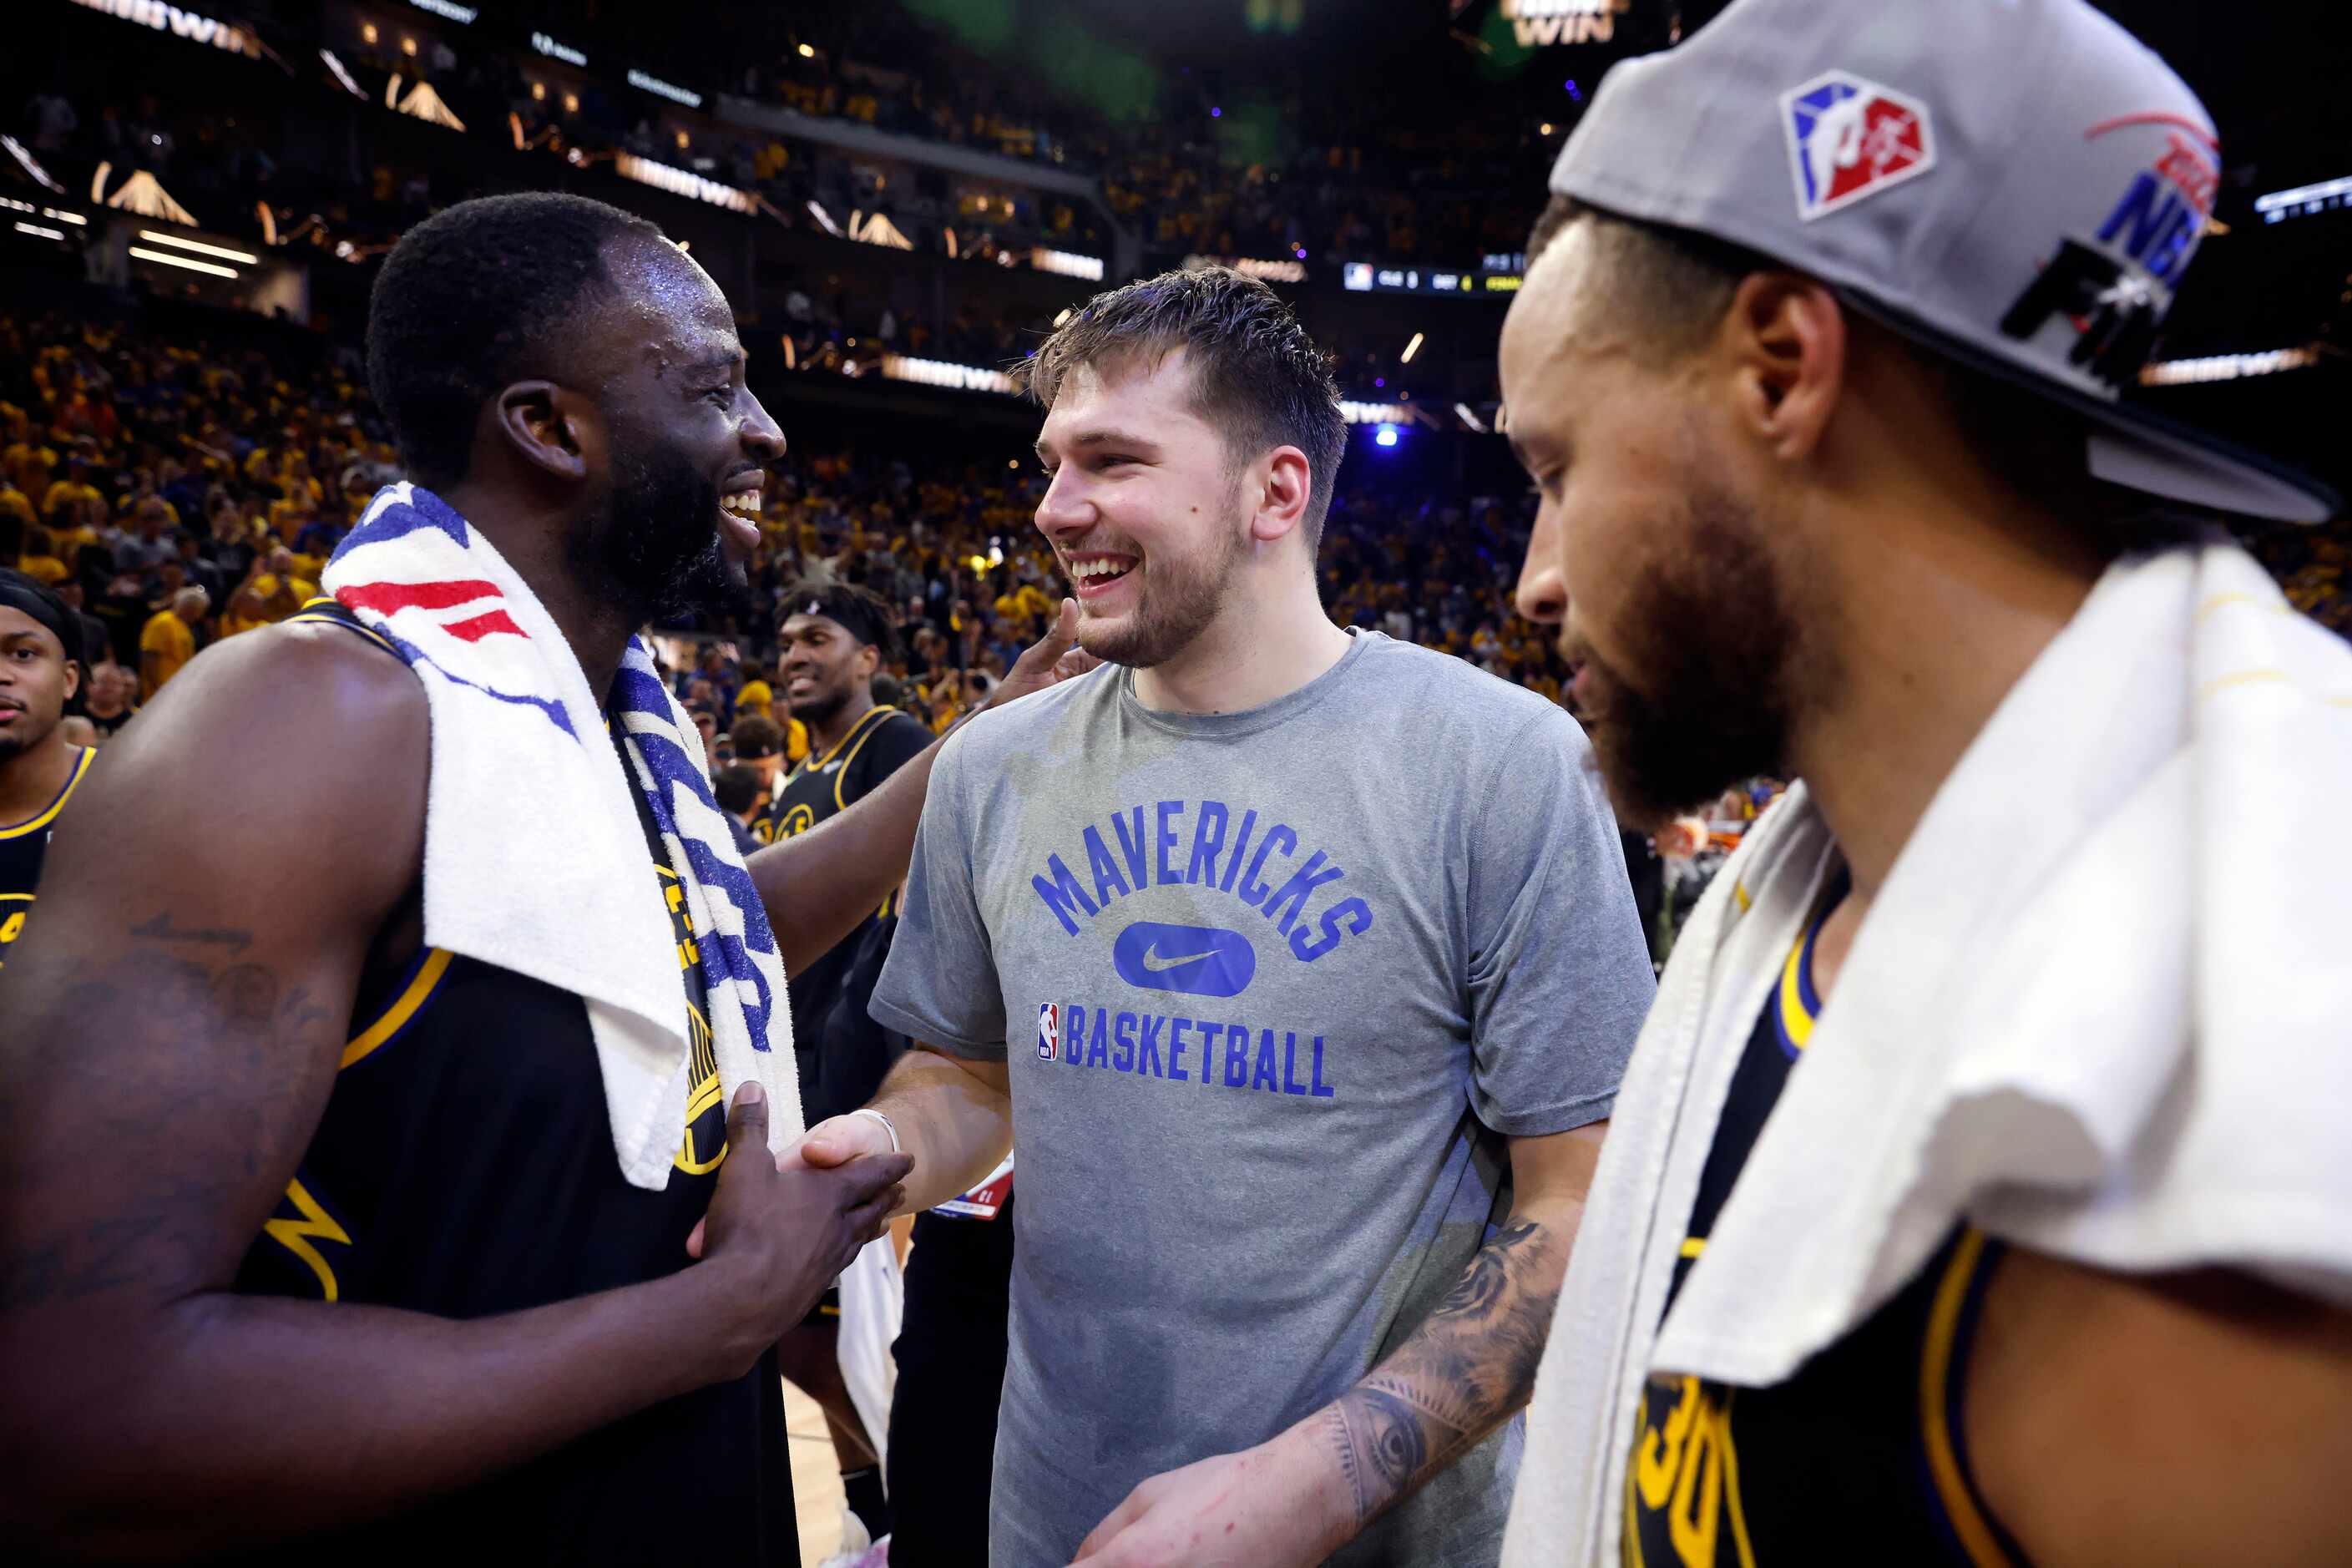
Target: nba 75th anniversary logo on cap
[(2019, 184)]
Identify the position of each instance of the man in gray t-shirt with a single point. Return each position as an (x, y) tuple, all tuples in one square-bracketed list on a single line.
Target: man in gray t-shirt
[(1303, 1014)]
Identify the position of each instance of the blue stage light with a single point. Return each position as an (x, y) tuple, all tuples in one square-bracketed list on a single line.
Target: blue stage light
[(1386, 436)]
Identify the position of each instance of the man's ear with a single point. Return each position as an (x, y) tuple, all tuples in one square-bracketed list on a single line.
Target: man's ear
[(1788, 336), (1283, 494), (547, 426), (73, 677)]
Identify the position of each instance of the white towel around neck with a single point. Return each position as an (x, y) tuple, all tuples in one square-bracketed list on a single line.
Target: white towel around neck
[(534, 855), (2098, 1008)]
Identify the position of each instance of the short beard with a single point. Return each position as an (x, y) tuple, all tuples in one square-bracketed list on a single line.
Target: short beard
[(14, 746), (1177, 605), (819, 710), (652, 547), (1718, 646)]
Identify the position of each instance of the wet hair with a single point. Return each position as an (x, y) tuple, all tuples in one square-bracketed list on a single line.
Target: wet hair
[(476, 297), (1257, 378)]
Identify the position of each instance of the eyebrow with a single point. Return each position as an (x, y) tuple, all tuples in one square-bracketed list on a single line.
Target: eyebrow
[(716, 364), (1102, 439)]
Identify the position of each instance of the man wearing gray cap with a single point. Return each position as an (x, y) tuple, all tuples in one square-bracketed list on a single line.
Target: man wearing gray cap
[(1975, 1191)]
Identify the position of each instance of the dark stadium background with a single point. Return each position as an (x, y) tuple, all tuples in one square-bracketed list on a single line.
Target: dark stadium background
[(1131, 134)]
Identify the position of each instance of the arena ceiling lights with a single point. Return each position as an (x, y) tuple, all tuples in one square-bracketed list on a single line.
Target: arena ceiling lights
[(200, 246), (141, 193), (192, 26), (1282, 269), (463, 14), (166, 258), (1069, 263), (661, 89), (940, 372), (2305, 201), (554, 50), (30, 164), (2227, 367), (683, 183), (1538, 23), (30, 210), (423, 103)]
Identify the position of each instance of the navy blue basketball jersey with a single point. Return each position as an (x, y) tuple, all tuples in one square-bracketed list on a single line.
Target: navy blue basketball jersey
[(881, 743), (23, 847), (464, 1166), (1857, 1456)]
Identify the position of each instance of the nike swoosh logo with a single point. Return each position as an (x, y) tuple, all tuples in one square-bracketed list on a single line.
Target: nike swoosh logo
[(1154, 963)]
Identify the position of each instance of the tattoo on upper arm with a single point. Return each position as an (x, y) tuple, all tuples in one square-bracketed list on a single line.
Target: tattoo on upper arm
[(1465, 1371), (160, 929), (190, 1096)]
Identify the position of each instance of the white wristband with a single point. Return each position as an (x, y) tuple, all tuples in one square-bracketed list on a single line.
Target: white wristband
[(868, 1111)]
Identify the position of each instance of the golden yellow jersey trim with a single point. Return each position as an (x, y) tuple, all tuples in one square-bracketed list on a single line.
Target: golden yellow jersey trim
[(863, 734), (1796, 1018), (294, 1235), (813, 763), (404, 1007), (1976, 1537), (49, 813), (306, 614)]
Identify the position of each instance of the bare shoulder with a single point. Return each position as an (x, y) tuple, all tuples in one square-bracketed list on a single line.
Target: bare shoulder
[(2196, 1416), (306, 737)]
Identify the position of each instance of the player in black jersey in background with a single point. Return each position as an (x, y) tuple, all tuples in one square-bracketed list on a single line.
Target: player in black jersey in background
[(41, 669), (835, 636), (226, 1000)]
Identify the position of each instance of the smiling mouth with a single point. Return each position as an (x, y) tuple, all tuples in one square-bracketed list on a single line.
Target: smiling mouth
[(738, 521), (1099, 570)]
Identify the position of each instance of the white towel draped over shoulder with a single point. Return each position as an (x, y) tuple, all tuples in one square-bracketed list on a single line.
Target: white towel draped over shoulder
[(534, 855), (2099, 1008)]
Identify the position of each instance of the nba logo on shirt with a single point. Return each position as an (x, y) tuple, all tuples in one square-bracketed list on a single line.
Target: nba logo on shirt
[(1851, 138), (1049, 1030)]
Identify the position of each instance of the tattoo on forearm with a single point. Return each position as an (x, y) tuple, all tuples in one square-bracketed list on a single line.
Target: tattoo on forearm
[(1463, 1373)]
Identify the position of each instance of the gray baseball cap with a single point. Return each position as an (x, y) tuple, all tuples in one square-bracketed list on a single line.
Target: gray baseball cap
[(2019, 184)]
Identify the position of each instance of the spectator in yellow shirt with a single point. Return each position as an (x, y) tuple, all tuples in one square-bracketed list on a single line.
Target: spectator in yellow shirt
[(39, 560), (246, 609), (757, 697), (169, 640), (16, 503), (73, 489), (281, 589)]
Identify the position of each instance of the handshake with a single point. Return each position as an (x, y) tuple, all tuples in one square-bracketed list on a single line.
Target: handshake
[(781, 1230)]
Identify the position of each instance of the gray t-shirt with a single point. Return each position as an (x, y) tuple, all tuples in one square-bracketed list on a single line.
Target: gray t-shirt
[(1273, 987)]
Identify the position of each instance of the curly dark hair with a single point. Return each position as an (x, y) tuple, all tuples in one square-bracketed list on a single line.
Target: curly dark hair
[(473, 299), (1259, 378)]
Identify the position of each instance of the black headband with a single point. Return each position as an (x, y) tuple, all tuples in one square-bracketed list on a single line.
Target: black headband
[(851, 613), (18, 591)]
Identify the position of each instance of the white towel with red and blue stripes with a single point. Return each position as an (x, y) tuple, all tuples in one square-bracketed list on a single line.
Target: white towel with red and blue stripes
[(534, 853)]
